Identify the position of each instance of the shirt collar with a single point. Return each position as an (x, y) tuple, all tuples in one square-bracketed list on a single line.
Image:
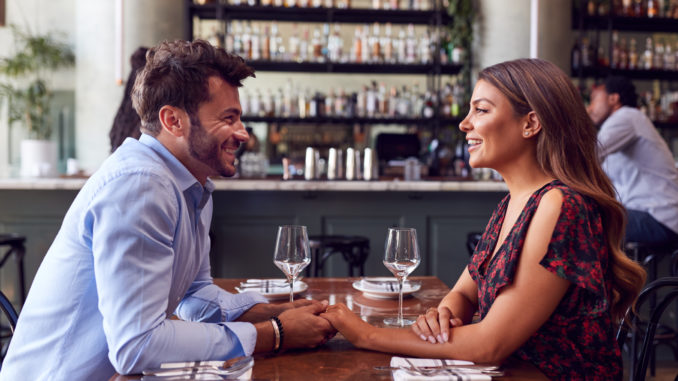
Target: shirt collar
[(183, 177)]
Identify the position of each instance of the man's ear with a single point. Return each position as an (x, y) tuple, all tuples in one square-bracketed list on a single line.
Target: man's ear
[(614, 99), (173, 120)]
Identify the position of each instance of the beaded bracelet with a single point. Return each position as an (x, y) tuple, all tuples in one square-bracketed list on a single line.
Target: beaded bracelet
[(279, 333)]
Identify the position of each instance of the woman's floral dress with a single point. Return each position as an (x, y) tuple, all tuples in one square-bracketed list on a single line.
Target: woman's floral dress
[(578, 340)]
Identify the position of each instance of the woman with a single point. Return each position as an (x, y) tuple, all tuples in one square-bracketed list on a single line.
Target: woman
[(548, 278), (126, 122)]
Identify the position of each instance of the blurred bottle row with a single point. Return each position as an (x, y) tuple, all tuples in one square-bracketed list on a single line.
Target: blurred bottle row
[(375, 100), (418, 5), (376, 43), (659, 54), (633, 8)]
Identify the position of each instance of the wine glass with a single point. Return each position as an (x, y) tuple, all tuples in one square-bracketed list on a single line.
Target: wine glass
[(292, 252), (401, 258)]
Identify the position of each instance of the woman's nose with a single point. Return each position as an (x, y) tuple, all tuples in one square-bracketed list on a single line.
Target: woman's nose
[(465, 124)]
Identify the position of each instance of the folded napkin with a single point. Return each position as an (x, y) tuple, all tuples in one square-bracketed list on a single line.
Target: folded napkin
[(385, 284), (269, 286), (238, 369), (452, 374)]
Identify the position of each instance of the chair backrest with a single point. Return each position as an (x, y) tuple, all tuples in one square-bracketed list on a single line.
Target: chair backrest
[(639, 361), (8, 309)]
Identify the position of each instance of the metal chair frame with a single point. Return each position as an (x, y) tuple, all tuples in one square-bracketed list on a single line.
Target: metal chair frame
[(639, 360)]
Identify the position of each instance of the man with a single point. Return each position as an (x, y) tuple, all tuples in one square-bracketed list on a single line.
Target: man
[(134, 249), (638, 161)]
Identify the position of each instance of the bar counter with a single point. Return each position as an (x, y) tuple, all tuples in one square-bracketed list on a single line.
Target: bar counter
[(247, 213), (271, 184)]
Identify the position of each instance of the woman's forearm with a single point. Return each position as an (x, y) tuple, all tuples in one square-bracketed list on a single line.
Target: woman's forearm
[(466, 343), (459, 305)]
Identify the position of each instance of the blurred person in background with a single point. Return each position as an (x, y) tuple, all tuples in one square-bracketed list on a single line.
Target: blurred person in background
[(126, 122), (638, 162)]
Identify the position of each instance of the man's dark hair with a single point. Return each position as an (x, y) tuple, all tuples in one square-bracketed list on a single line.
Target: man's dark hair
[(177, 73), (623, 87)]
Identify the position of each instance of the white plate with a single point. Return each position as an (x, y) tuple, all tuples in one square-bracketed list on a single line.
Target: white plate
[(276, 293), (409, 287)]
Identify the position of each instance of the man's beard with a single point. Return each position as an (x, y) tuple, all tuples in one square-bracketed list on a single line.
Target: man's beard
[(205, 148)]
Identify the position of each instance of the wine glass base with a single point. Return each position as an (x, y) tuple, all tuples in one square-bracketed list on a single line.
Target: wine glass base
[(393, 321)]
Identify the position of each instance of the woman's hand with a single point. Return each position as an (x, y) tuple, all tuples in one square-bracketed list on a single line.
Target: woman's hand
[(352, 327), (434, 326)]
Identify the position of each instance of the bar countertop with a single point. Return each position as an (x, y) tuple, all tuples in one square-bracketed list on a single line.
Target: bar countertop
[(280, 185)]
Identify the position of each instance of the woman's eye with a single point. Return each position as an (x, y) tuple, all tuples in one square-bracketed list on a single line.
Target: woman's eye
[(478, 109)]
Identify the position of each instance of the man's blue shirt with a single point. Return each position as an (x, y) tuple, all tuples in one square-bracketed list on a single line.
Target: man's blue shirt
[(132, 251)]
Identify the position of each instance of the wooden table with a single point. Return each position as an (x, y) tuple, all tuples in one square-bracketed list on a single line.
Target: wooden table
[(338, 359)]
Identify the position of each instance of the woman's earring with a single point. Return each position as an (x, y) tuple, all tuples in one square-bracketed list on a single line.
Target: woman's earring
[(526, 133)]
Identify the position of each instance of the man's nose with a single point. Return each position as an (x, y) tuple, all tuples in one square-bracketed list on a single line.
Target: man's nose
[(241, 133)]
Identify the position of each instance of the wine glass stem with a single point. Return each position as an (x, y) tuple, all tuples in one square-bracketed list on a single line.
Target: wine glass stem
[(400, 301), (292, 290)]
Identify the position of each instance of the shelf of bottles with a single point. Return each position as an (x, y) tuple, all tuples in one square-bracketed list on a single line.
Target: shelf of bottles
[(374, 103), (627, 15)]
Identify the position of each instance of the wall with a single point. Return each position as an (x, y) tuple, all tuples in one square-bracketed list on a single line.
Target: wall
[(97, 94), (503, 31)]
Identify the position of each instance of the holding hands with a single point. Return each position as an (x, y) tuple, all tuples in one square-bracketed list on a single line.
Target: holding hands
[(434, 326)]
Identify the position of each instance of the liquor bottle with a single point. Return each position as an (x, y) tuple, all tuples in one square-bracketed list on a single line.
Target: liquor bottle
[(302, 105), (255, 39), (658, 58), (336, 45), (255, 103), (247, 42), (633, 54), (305, 48), (575, 55), (340, 102), (401, 47), (411, 44), (669, 58), (245, 102), (376, 4), (375, 46), (615, 64), (393, 102), (425, 55), (357, 50), (371, 101), (361, 102), (329, 103), (325, 43), (294, 44), (267, 103), (387, 43), (382, 100), (274, 42), (647, 54), (266, 44), (652, 8), (393, 4), (586, 53), (316, 46), (427, 110), (365, 41), (238, 47), (623, 55), (639, 9), (591, 7), (627, 9)]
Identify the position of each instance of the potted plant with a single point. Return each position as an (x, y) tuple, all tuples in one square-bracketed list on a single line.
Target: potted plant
[(25, 87)]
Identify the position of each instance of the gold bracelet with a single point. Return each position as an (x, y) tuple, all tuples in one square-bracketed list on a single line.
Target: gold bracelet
[(276, 347)]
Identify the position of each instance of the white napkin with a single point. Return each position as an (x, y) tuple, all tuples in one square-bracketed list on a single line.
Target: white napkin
[(384, 284), (457, 374), (269, 286)]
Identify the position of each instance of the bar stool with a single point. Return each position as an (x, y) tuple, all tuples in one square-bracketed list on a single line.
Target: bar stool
[(15, 242), (354, 250), (649, 256)]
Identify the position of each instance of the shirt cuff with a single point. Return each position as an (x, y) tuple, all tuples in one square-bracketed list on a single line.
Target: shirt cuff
[(246, 334), (236, 304)]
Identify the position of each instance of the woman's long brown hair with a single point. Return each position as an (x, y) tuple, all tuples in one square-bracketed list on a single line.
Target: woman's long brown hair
[(566, 150)]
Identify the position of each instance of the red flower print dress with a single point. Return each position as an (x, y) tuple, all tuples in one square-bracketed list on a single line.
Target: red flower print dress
[(578, 341)]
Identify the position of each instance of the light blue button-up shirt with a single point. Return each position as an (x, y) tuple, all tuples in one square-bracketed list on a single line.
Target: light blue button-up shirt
[(639, 163), (132, 251)]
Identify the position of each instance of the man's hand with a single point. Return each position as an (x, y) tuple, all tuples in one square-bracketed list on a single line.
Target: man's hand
[(264, 311), (304, 328)]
